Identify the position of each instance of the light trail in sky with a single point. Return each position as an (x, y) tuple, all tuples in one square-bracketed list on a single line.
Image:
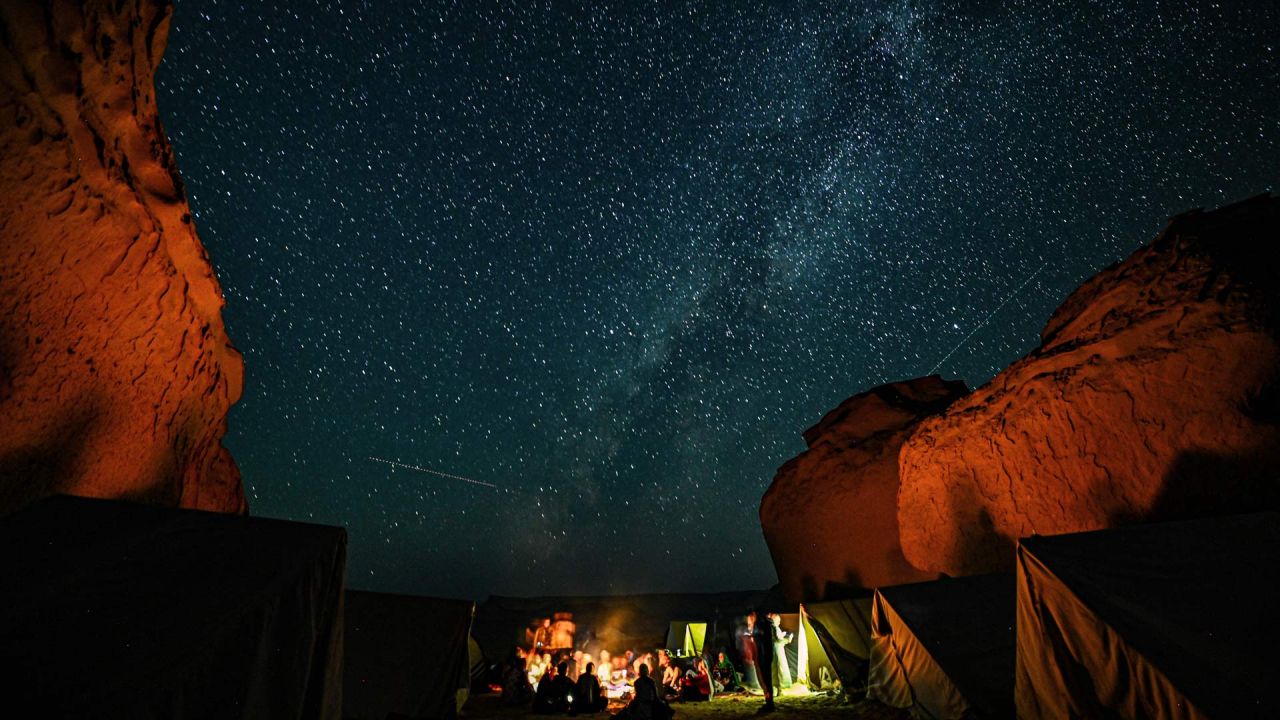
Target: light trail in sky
[(990, 315), (429, 471)]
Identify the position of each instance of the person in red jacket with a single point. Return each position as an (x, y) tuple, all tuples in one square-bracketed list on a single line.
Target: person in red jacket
[(696, 683)]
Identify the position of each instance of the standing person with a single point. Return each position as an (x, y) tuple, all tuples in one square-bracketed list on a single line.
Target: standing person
[(542, 637), (562, 631), (781, 638), (747, 648), (764, 659)]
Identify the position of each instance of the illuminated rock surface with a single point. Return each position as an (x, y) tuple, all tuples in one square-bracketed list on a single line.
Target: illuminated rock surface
[(831, 514), (1153, 395), (116, 374)]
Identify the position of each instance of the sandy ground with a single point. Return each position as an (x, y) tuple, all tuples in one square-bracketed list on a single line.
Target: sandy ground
[(813, 706)]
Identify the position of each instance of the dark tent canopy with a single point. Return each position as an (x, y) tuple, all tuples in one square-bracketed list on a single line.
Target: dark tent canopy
[(615, 623), (1173, 619), (945, 648), (406, 655), (117, 610)]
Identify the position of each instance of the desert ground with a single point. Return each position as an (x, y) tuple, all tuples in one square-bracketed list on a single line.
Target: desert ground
[(792, 706)]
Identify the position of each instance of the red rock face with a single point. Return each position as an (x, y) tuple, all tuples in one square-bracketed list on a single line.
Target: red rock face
[(116, 374), (831, 514), (1153, 395)]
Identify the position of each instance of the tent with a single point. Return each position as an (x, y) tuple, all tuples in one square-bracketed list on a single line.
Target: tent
[(945, 649), (1174, 619), (407, 655), (838, 640), (813, 665), (118, 610), (476, 660), (686, 638)]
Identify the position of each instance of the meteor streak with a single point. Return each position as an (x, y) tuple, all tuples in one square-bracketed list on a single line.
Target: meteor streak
[(429, 471), (990, 315)]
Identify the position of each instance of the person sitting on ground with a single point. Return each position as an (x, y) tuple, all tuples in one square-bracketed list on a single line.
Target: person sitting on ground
[(587, 697), (542, 700), (671, 680), (627, 667), (535, 669), (696, 684), (645, 659), (726, 675), (604, 670), (558, 690), (646, 703), (515, 681)]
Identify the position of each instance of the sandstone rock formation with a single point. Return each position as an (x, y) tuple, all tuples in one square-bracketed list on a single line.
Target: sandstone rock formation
[(1155, 393), (831, 514), (116, 374)]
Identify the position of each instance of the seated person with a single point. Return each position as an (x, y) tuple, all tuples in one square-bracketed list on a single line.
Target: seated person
[(671, 680), (726, 675), (646, 704), (587, 697), (696, 684), (604, 671), (515, 681), (554, 692), (645, 659)]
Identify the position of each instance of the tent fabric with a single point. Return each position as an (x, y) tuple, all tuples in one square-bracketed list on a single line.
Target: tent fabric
[(814, 669), (843, 629), (946, 648), (476, 659), (1172, 619), (406, 655), (686, 637), (118, 610)]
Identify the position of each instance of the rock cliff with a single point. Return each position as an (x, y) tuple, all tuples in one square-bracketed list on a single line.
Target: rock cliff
[(1155, 394), (830, 517), (116, 373)]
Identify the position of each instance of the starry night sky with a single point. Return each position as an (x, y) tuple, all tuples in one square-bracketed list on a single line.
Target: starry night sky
[(614, 259)]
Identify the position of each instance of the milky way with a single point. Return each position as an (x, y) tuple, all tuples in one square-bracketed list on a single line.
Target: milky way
[(614, 260)]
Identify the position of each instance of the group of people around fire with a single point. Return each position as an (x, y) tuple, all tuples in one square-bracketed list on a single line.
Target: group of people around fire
[(562, 680)]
